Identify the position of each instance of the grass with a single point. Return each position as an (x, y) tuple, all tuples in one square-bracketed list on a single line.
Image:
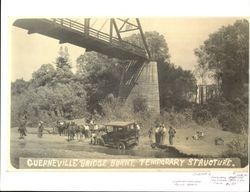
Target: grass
[(54, 146)]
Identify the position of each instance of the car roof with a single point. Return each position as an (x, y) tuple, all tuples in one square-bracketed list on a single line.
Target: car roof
[(119, 123)]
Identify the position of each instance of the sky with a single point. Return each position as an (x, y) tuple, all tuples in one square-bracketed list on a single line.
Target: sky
[(183, 35)]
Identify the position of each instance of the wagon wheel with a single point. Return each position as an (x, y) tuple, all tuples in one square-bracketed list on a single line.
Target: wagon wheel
[(121, 146)]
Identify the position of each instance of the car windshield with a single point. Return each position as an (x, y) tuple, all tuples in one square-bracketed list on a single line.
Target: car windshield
[(120, 129)]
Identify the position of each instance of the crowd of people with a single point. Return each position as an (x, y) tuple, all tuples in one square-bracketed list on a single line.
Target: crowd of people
[(90, 130), (72, 130), (160, 133)]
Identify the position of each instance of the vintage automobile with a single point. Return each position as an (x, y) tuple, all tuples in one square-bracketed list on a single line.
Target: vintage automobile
[(119, 134)]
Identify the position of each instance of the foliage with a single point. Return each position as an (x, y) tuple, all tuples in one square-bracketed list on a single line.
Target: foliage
[(63, 61), (225, 54), (201, 114), (19, 86), (116, 110), (177, 87), (234, 116), (231, 116), (102, 75), (157, 45), (238, 148), (43, 76), (140, 104), (51, 94)]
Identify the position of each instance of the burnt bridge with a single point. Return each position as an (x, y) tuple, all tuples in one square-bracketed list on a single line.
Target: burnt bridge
[(140, 77)]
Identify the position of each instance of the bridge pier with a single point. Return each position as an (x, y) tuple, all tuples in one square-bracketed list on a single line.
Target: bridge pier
[(141, 82)]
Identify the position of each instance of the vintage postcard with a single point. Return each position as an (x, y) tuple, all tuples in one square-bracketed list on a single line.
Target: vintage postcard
[(129, 93), (125, 95)]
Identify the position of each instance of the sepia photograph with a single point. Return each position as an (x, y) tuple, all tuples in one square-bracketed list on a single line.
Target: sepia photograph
[(129, 93), (124, 95)]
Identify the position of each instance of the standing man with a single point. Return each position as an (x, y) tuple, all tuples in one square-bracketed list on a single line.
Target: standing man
[(171, 133), (150, 133), (22, 127), (157, 135), (93, 139), (164, 134), (40, 129), (86, 131), (160, 134)]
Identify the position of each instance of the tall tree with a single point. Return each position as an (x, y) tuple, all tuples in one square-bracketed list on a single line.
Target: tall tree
[(156, 43), (226, 54), (52, 93), (43, 76), (19, 86), (102, 75), (63, 61)]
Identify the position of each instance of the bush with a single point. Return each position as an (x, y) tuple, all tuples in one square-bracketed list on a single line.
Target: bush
[(201, 114), (140, 104), (232, 116), (238, 148), (116, 110), (231, 121)]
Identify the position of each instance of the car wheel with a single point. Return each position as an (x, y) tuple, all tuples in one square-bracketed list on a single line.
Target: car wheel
[(137, 142), (100, 142), (121, 146), (153, 145)]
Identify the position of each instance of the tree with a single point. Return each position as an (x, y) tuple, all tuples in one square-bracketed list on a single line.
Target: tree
[(201, 70), (43, 76), (63, 61), (226, 54), (156, 43), (103, 75), (177, 87), (19, 86), (50, 95)]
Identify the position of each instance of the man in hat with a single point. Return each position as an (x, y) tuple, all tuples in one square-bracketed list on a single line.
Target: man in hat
[(150, 134), (157, 134), (40, 129), (164, 133), (22, 127), (171, 133)]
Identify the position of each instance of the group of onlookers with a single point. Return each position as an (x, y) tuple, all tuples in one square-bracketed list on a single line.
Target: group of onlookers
[(160, 132)]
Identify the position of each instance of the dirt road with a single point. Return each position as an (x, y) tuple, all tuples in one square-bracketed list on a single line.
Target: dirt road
[(55, 146)]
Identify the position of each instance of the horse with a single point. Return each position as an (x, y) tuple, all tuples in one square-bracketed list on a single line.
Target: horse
[(78, 131), (71, 131), (62, 127)]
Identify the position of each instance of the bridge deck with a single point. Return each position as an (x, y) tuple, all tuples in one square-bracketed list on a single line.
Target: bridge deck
[(69, 31)]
